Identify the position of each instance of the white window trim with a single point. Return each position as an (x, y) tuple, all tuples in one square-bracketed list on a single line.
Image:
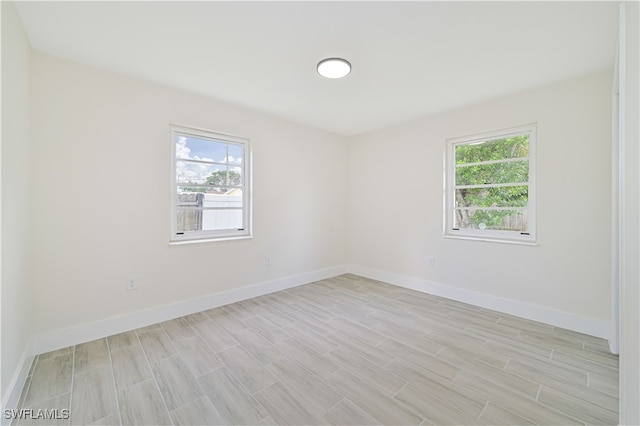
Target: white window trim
[(212, 235), (512, 237)]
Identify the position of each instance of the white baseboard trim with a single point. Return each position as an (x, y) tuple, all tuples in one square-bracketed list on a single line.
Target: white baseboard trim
[(14, 391), (579, 323), (82, 333)]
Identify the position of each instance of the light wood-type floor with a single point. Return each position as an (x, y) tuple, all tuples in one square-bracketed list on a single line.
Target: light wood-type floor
[(346, 350)]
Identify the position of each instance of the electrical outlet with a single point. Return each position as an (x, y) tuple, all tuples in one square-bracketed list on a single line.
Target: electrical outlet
[(132, 284), (431, 261), (267, 261)]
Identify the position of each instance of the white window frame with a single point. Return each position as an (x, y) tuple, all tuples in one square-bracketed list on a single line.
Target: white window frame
[(514, 237), (212, 235)]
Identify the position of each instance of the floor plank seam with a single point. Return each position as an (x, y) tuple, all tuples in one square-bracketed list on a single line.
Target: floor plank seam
[(113, 377), (73, 379)]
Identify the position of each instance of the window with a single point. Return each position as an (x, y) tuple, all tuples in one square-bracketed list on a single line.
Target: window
[(210, 191), (490, 186)]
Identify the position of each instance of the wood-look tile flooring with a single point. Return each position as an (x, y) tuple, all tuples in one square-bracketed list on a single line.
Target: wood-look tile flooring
[(344, 351)]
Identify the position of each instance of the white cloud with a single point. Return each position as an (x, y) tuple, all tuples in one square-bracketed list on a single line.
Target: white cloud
[(232, 160), (182, 150), (186, 171), (198, 172), (193, 172)]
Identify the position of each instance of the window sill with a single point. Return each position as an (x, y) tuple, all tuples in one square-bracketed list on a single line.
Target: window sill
[(492, 240), (208, 240)]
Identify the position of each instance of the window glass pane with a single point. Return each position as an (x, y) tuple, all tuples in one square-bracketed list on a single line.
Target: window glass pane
[(192, 148), (190, 199), (235, 154), (225, 177), (221, 219), (508, 196), (198, 219), (231, 199), (495, 149), (188, 172), (235, 175), (503, 220), (183, 190), (188, 219), (514, 171), (199, 211)]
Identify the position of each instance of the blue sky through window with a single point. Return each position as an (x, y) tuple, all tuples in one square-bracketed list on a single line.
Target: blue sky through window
[(205, 150), (193, 148)]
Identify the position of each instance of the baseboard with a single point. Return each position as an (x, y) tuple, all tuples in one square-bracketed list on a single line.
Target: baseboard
[(14, 391), (579, 323), (82, 333)]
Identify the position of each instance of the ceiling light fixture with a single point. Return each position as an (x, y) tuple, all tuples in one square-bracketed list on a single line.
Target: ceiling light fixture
[(334, 67)]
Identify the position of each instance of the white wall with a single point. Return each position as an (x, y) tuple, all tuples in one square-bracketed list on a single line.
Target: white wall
[(99, 140), (567, 273), (630, 291), (15, 290)]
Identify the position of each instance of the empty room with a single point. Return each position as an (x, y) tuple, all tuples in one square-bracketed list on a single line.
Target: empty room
[(347, 213)]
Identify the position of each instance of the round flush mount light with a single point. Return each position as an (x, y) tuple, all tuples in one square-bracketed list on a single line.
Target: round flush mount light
[(334, 67)]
